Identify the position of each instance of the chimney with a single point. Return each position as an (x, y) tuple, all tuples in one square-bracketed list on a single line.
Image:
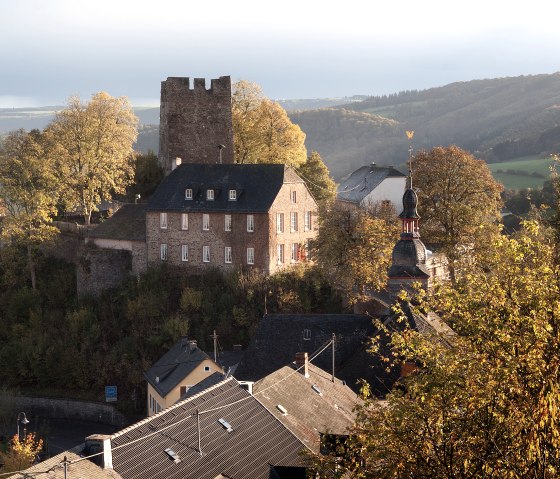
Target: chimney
[(99, 444), (175, 163), (302, 360)]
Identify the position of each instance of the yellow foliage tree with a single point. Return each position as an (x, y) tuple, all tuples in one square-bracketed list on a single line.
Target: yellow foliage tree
[(353, 248), (262, 131), (486, 402), (456, 194), (21, 454), (92, 146), (28, 193)]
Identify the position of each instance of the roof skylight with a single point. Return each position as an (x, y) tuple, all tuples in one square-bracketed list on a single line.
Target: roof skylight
[(226, 425)]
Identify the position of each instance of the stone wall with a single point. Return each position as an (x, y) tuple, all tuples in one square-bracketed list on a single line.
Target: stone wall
[(239, 239), (71, 409), (194, 121), (98, 269)]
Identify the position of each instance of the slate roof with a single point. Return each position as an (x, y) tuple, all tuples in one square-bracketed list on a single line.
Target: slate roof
[(52, 468), (177, 363), (257, 186), (257, 443), (279, 337), (309, 412), (128, 223), (364, 180)]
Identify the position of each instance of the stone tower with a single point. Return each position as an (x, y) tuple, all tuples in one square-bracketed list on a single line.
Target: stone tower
[(195, 123), (409, 253)]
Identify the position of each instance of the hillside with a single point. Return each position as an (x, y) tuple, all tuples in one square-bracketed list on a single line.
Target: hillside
[(497, 119)]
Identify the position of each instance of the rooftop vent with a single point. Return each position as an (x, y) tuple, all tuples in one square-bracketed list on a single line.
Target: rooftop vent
[(226, 425), (282, 409), (316, 389), (173, 455)]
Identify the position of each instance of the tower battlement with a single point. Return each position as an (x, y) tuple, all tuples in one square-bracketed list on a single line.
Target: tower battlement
[(195, 121)]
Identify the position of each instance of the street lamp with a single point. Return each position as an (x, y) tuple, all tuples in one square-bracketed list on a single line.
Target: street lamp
[(23, 421)]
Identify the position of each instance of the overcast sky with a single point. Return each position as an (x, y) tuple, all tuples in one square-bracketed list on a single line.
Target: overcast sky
[(51, 49)]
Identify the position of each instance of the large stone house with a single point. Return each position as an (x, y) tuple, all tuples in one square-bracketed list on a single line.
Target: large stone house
[(228, 216)]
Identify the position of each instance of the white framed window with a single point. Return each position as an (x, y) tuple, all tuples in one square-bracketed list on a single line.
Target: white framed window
[(250, 223), (232, 195), (163, 251), (206, 254), (294, 196), (206, 368), (210, 195), (250, 255), (184, 252), (184, 221), (306, 334), (205, 221), (188, 194), (307, 221), (227, 223), (280, 253), (279, 222), (293, 221), (163, 221), (227, 254), (294, 252)]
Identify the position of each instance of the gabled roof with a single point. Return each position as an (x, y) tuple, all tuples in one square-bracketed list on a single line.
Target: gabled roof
[(363, 181), (174, 366), (257, 442), (128, 223), (280, 336), (53, 468), (256, 185), (314, 405)]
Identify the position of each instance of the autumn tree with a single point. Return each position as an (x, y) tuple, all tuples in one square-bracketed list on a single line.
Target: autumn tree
[(456, 194), (28, 193), (147, 175), (318, 180), (21, 454), (354, 250), (485, 402), (262, 131), (92, 145)]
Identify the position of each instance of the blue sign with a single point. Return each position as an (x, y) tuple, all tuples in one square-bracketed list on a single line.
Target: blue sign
[(110, 393)]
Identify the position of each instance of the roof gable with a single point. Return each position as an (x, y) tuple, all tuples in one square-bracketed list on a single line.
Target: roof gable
[(314, 404), (128, 223), (364, 180), (257, 441), (256, 186), (174, 366)]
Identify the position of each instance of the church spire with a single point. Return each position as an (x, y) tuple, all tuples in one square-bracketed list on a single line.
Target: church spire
[(409, 254)]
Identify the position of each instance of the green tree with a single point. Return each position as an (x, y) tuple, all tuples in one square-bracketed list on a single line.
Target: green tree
[(316, 176), (354, 249), (92, 146), (147, 175), (456, 194), (28, 194), (485, 402), (262, 131)]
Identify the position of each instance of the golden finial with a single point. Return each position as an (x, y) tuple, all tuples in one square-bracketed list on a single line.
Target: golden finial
[(410, 134)]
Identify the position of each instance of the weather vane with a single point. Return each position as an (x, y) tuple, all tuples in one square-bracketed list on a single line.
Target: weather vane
[(410, 135)]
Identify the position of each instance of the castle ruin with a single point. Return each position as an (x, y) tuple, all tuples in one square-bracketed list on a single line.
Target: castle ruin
[(195, 123)]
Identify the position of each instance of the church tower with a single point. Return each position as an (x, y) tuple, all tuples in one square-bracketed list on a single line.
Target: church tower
[(409, 254)]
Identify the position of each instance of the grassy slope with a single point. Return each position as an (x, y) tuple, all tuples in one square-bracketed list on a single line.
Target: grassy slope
[(529, 164)]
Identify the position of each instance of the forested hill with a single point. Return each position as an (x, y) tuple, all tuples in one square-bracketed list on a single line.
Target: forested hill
[(496, 119)]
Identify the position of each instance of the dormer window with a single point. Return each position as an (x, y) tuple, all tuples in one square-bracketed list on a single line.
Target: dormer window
[(232, 195), (188, 194), (210, 195)]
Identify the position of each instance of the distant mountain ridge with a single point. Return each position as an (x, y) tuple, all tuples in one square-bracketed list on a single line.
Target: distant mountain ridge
[(496, 119)]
